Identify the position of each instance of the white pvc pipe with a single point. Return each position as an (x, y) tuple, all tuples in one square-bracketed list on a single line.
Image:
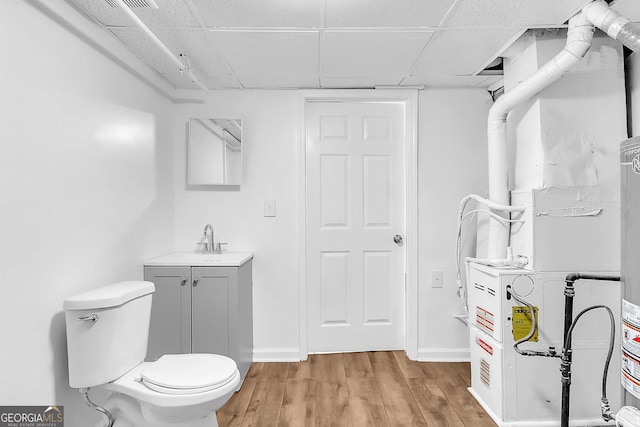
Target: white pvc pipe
[(181, 67), (614, 24), (578, 43), (491, 204)]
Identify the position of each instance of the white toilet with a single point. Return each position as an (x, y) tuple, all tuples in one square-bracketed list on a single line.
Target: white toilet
[(107, 334)]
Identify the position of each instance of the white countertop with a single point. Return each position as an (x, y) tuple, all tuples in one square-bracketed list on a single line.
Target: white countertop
[(196, 259)]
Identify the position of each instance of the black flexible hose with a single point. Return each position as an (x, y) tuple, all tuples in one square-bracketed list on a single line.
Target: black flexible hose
[(611, 341), (605, 372)]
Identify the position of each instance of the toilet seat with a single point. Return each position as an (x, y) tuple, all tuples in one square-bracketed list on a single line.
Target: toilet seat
[(188, 373)]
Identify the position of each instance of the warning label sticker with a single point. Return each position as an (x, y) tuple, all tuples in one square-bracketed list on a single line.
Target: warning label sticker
[(631, 313), (631, 339), (484, 320), (630, 384), (486, 347), (522, 322), (630, 365), (630, 369)]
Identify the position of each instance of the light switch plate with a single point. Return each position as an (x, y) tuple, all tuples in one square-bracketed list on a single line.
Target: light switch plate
[(436, 278), (269, 208)]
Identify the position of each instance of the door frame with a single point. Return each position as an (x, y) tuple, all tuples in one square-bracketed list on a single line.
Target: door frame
[(408, 97)]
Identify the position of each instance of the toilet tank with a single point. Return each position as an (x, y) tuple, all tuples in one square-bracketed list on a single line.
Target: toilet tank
[(107, 332)]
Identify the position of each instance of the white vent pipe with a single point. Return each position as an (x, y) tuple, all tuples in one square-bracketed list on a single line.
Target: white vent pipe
[(615, 25), (176, 60), (578, 43)]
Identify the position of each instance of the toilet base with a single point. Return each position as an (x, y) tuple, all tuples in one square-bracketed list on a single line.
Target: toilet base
[(128, 412)]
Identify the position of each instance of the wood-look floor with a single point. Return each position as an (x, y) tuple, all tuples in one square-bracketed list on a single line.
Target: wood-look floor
[(371, 389)]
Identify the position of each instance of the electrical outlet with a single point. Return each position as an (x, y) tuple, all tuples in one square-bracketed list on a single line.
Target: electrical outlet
[(436, 278)]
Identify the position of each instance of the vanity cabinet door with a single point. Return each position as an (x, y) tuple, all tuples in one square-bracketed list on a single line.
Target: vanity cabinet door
[(214, 297), (170, 329), (202, 310)]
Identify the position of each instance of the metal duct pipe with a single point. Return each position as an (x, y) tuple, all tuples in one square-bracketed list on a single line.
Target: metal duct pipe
[(615, 25), (578, 43)]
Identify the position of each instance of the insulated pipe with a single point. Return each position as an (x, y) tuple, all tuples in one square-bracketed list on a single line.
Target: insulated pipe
[(578, 43), (565, 363), (566, 360), (183, 68), (491, 204), (615, 25)]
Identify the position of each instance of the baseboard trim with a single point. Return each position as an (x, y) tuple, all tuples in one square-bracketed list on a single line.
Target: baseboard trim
[(444, 355), (424, 355), (276, 355)]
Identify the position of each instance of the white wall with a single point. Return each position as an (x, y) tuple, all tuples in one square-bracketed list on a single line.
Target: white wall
[(452, 146), (85, 190), (452, 163), (269, 141), (93, 181)]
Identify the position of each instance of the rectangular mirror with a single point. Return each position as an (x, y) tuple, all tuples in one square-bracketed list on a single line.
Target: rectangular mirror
[(215, 152)]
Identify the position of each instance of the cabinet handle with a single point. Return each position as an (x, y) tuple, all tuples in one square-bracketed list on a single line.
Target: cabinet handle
[(195, 283), (184, 282)]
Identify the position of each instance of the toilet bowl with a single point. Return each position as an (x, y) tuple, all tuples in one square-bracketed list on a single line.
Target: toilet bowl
[(107, 332), (185, 389)]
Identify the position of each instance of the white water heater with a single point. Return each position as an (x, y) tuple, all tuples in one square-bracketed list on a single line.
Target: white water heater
[(519, 390)]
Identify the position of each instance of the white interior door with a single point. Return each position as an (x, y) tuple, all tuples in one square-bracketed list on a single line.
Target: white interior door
[(355, 195)]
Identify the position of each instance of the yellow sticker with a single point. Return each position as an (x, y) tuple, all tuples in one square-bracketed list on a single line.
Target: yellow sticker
[(522, 322)]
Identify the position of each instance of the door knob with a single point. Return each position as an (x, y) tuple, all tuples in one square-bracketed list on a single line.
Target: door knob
[(398, 239), (195, 283)]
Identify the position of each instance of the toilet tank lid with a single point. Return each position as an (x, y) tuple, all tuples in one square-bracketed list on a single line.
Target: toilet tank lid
[(109, 296)]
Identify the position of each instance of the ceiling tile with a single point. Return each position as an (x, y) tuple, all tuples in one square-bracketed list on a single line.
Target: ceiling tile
[(280, 82), (196, 46), (355, 82), (270, 58), (356, 53), (142, 47), (451, 81), (192, 43), (170, 13), (385, 13), (462, 52), (512, 13), (261, 13), (181, 81)]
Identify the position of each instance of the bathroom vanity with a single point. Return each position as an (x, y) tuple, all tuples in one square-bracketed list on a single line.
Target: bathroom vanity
[(202, 304)]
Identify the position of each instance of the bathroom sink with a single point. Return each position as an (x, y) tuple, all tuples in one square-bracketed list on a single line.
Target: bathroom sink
[(225, 259)]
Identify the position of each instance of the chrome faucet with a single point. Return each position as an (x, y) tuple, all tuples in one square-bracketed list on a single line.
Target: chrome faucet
[(208, 246)]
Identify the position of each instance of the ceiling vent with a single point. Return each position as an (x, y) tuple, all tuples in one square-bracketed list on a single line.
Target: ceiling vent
[(151, 4)]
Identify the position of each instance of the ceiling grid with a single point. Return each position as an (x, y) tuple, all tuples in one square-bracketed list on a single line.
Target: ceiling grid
[(278, 44)]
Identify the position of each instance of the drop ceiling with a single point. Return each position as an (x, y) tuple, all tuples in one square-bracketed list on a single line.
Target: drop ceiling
[(281, 44)]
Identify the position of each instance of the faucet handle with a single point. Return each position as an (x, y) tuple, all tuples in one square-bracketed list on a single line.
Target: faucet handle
[(218, 247)]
